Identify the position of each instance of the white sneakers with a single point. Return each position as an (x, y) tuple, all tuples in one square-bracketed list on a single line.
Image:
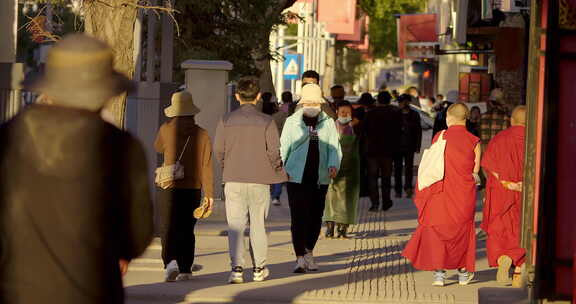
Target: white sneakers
[(305, 263), (276, 202), (301, 265), (310, 264), (260, 274), (172, 271), (236, 275), (464, 277), (439, 277), (184, 277)]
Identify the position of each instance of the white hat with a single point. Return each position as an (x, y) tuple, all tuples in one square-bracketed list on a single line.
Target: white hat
[(311, 93), (182, 105)]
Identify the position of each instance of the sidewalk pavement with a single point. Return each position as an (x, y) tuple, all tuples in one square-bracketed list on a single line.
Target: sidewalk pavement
[(365, 269)]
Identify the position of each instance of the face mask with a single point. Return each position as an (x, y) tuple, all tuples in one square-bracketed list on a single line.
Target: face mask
[(311, 112), (344, 120)]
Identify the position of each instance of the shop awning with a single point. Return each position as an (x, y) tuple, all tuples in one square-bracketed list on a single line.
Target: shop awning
[(419, 29)]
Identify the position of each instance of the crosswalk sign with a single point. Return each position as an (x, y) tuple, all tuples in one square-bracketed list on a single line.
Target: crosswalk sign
[(292, 66)]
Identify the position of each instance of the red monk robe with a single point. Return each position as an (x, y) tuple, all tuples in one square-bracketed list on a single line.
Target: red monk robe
[(502, 208), (446, 237)]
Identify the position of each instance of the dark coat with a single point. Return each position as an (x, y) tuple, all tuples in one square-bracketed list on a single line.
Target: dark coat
[(411, 134), (74, 199), (381, 131)]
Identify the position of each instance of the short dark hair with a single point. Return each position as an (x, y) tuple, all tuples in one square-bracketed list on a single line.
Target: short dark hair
[(366, 99), (338, 86), (266, 97), (384, 98), (343, 103), (287, 97), (404, 97), (248, 88), (311, 74)]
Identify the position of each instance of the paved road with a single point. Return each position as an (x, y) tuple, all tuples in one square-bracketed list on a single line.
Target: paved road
[(365, 269)]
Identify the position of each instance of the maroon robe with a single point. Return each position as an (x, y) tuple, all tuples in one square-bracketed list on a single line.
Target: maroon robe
[(502, 208), (445, 237)]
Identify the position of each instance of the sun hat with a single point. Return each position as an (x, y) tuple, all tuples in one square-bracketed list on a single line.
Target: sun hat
[(182, 105), (311, 93), (79, 73)]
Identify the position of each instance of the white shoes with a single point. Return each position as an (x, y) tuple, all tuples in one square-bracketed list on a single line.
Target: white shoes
[(261, 273), (439, 277), (276, 202), (184, 277), (172, 271), (301, 265), (465, 277), (310, 264), (236, 275)]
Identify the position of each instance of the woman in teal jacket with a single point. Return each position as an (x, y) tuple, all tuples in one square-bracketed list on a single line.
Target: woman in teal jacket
[(310, 148)]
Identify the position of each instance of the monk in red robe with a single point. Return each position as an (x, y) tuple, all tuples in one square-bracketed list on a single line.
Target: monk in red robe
[(503, 162), (445, 237)]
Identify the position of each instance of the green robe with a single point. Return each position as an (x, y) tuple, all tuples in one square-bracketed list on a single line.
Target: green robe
[(344, 191)]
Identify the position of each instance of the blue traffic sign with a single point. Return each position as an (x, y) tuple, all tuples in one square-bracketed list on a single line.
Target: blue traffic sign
[(293, 66)]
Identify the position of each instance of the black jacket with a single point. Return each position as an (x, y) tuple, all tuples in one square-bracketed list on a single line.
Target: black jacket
[(74, 199), (381, 131), (411, 132)]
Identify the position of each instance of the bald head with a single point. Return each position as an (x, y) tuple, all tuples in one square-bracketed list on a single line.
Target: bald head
[(457, 114), (519, 116)]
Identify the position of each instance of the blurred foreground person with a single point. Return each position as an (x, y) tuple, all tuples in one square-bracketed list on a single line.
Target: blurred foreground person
[(341, 208), (182, 141), (311, 154), (445, 237), (503, 163), (74, 197), (247, 146)]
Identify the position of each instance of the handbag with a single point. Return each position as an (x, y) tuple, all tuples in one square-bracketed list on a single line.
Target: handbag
[(168, 174), (431, 169)]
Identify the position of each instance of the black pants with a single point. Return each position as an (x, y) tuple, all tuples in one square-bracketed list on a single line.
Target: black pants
[(380, 167), (403, 164), (306, 210), (176, 208)]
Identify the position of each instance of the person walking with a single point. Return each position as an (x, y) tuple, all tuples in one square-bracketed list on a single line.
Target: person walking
[(503, 162), (247, 148), (473, 123), (381, 130), (311, 153), (181, 140), (410, 142), (288, 105), (344, 191), (75, 206), (445, 236)]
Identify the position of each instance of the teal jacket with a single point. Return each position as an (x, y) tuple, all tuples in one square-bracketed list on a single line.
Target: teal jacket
[(294, 144)]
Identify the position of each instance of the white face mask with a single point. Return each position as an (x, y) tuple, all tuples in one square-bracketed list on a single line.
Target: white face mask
[(311, 111), (344, 120)]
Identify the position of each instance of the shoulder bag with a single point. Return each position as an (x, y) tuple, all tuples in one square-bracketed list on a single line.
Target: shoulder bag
[(431, 169), (167, 175)]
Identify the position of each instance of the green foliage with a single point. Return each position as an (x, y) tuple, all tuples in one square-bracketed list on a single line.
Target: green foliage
[(383, 32), (350, 65), (233, 30)]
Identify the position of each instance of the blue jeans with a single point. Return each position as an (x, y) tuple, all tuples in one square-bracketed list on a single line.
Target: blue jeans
[(276, 190)]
